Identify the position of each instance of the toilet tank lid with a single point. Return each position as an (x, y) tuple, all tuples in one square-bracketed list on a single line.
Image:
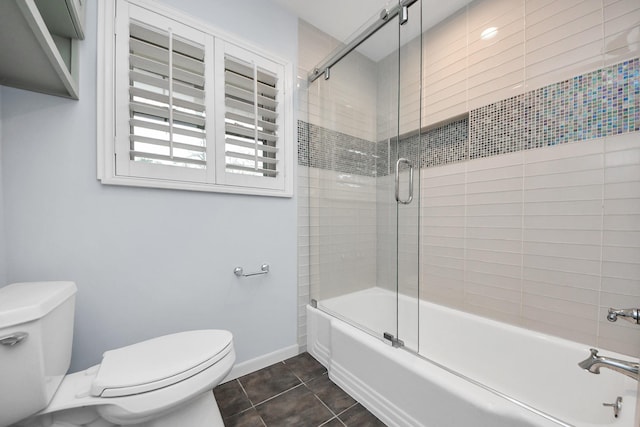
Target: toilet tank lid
[(24, 302)]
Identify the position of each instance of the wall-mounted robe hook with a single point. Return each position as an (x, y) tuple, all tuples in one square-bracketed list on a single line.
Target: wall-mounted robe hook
[(238, 271)]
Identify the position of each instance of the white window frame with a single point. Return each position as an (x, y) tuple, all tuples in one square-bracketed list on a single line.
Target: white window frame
[(216, 180)]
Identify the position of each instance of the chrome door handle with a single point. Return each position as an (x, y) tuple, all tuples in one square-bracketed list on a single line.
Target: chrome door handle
[(408, 163), (13, 339)]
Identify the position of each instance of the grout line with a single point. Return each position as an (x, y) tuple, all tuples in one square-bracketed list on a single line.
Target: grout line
[(347, 408), (279, 394), (331, 419), (334, 415), (244, 391)]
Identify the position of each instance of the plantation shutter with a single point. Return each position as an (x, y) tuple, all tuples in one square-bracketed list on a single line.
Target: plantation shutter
[(191, 109), (165, 133), (249, 119)]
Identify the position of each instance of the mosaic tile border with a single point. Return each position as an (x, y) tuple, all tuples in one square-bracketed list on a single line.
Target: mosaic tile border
[(601, 103), (323, 148)]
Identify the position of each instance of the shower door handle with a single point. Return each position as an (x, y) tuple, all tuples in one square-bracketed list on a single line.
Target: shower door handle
[(408, 163)]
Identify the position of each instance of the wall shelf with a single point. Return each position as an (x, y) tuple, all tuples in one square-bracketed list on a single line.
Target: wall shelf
[(38, 47)]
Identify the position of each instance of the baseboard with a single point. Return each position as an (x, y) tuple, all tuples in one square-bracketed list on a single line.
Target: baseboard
[(252, 365)]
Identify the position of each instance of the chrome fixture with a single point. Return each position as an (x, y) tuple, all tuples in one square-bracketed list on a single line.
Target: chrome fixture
[(238, 271), (395, 342), (386, 15), (629, 314), (617, 406), (404, 15), (14, 338), (408, 163), (593, 363)]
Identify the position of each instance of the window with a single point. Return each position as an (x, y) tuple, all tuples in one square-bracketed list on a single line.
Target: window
[(188, 109)]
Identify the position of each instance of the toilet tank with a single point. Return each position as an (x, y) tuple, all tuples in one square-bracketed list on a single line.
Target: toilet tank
[(36, 333)]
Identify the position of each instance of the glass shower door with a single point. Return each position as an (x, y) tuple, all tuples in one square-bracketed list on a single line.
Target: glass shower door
[(363, 183)]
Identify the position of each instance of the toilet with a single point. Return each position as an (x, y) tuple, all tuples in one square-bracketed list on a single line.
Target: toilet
[(162, 382)]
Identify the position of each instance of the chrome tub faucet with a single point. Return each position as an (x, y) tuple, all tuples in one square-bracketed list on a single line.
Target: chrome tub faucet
[(630, 314), (593, 363)]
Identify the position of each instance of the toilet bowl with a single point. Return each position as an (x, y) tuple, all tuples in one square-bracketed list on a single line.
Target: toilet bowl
[(162, 382)]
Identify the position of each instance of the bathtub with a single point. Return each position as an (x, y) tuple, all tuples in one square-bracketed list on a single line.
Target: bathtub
[(471, 371)]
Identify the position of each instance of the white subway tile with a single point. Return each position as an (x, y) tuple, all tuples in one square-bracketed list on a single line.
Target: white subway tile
[(498, 197), (621, 206), (573, 207), (621, 286), (593, 162), (628, 173), (585, 237), (563, 222), (496, 185), (502, 221), (539, 11), (622, 190), (475, 292), (494, 233), (495, 257), (561, 292), (618, 337), (555, 277), (440, 231), (579, 251), (622, 223), (621, 270), (621, 35), (567, 265), (561, 194), (492, 268), (574, 309), (566, 179), (513, 246), (561, 33), (500, 310), (566, 152), (497, 209), (500, 86), (621, 254)]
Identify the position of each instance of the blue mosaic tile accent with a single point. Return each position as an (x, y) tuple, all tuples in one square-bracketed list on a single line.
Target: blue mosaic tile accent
[(601, 103)]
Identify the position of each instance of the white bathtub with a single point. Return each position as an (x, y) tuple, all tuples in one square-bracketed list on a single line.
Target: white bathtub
[(479, 372)]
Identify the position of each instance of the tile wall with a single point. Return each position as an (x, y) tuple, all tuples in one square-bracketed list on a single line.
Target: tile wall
[(545, 238), (536, 43)]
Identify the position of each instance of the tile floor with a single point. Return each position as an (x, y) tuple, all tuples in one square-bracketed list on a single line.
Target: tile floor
[(296, 392)]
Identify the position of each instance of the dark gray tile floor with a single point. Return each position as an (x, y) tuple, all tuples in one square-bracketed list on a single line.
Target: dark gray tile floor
[(296, 392)]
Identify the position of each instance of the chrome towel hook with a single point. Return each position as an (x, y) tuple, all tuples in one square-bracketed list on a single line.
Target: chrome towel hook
[(238, 271)]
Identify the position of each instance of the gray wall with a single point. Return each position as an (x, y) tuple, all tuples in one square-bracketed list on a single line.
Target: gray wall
[(147, 262)]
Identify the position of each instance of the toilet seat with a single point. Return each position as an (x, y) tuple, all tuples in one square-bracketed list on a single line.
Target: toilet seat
[(159, 362), (75, 389)]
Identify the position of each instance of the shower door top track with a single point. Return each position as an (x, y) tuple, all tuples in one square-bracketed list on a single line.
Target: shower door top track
[(385, 16)]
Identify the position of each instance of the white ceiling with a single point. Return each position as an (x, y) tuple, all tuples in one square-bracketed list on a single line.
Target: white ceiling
[(342, 18)]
